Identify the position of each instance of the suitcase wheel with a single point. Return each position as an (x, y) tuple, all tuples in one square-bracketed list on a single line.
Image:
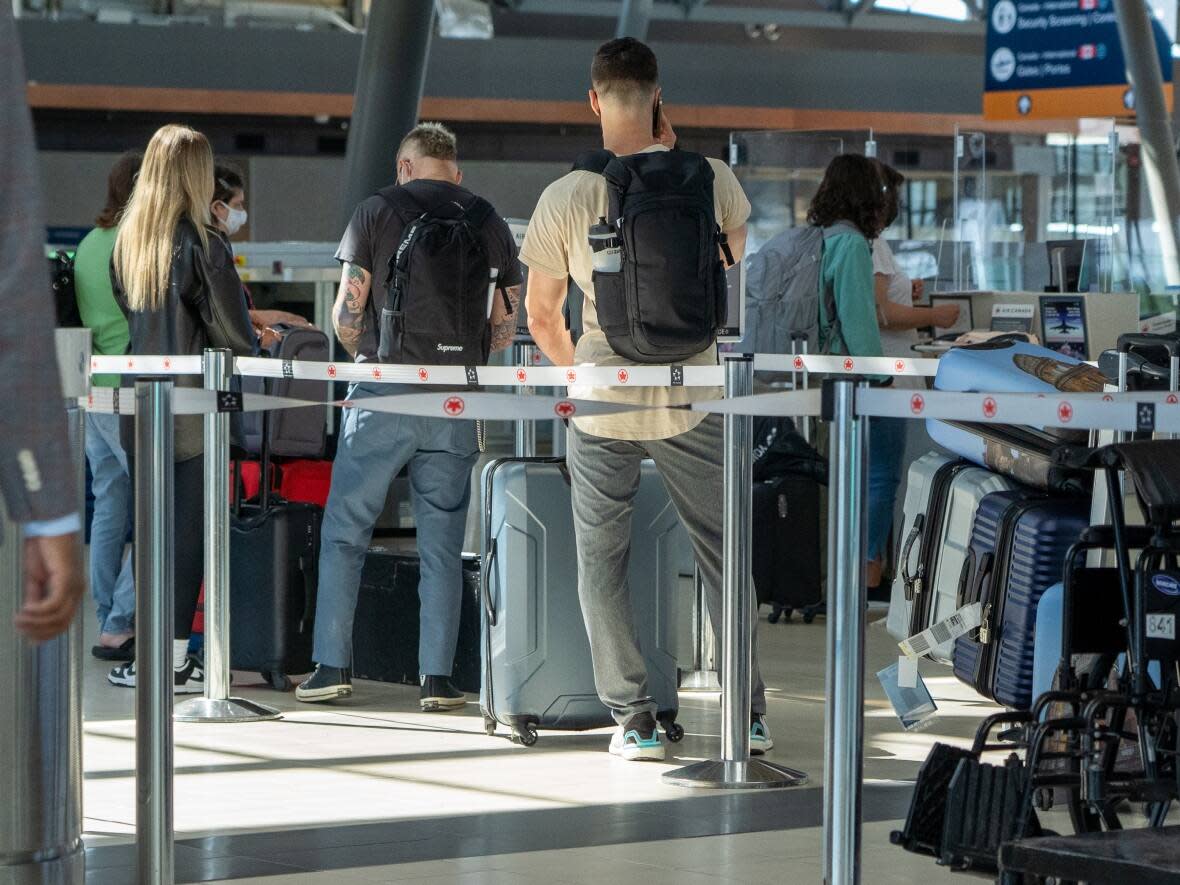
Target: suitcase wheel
[(489, 726), (780, 612), (674, 730), (811, 611), (526, 735), (277, 681)]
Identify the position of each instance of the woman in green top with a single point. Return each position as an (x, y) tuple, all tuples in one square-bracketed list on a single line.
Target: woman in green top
[(853, 194), (110, 571)]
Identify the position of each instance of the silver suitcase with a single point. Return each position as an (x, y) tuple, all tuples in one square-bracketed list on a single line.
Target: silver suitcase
[(945, 495), (537, 672)]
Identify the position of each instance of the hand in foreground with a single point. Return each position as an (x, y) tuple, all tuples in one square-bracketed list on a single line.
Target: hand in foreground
[(53, 586)]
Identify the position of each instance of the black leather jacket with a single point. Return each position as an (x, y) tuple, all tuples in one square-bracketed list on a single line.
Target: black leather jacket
[(204, 308)]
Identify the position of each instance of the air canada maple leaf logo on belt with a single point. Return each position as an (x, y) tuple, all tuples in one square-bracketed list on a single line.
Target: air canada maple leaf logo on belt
[(798, 363), (423, 375), (454, 405), (989, 408), (571, 376), (848, 364), (917, 403), (1065, 412), (522, 376), (624, 376), (331, 370), (565, 409), (899, 366)]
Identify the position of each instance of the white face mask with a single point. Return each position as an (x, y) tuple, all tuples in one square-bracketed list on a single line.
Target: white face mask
[(234, 219)]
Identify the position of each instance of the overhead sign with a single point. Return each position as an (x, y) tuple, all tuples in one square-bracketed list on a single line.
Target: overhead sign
[(1060, 59)]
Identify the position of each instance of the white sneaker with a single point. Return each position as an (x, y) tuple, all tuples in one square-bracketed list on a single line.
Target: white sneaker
[(638, 740), (189, 679), (760, 741)]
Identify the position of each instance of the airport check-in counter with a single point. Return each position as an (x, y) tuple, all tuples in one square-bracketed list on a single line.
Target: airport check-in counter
[(1081, 324)]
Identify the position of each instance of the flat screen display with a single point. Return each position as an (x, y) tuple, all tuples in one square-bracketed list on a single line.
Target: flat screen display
[(1063, 326)]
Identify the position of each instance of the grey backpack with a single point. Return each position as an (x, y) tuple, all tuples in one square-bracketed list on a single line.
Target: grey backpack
[(783, 291)]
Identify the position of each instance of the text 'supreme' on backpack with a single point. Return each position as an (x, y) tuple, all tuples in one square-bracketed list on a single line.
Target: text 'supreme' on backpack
[(440, 286), (783, 291), (667, 301)]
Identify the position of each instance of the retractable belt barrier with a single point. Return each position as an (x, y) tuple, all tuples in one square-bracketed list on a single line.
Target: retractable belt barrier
[(845, 401)]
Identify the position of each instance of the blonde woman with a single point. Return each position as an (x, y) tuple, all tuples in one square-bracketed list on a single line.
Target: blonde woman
[(174, 276)]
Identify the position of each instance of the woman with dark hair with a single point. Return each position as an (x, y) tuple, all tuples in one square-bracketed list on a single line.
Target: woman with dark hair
[(851, 199), (111, 582), (227, 211)]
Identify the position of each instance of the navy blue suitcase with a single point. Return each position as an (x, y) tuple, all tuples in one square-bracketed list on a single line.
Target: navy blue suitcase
[(1018, 546)]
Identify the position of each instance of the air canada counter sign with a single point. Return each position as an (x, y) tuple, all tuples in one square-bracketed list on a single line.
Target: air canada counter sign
[(1060, 59)]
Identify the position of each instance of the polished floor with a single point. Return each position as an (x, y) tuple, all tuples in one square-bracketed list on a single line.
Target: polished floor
[(370, 790)]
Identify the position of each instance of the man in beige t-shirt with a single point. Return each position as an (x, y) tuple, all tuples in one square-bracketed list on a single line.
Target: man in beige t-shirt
[(605, 452)]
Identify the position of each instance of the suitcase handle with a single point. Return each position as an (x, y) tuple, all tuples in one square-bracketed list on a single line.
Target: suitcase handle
[(485, 582), (965, 578), (907, 547)]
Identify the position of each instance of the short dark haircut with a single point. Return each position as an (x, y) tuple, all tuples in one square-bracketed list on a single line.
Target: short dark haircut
[(120, 184), (852, 191), (433, 140), (226, 181), (624, 68)]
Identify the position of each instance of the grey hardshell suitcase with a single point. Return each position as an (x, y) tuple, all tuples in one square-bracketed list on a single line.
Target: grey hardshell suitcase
[(537, 671), (931, 564)]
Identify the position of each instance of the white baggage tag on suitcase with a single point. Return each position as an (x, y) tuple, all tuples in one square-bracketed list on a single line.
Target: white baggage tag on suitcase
[(914, 706), (960, 623)]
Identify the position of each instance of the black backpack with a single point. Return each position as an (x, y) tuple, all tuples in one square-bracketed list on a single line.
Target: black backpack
[(438, 290), (65, 297), (669, 301)]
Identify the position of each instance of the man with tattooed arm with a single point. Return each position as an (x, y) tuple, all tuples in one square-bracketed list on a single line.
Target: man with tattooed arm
[(374, 446)]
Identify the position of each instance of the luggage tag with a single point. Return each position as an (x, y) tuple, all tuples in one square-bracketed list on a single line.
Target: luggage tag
[(959, 624), (914, 706)]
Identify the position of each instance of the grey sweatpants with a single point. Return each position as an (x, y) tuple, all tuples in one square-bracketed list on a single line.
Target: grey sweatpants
[(604, 474)]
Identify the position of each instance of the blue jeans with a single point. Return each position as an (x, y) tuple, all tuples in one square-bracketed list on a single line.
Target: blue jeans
[(111, 581), (374, 446), (886, 450)]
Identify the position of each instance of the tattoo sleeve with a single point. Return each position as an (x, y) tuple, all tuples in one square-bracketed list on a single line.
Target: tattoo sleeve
[(504, 331), (349, 315)]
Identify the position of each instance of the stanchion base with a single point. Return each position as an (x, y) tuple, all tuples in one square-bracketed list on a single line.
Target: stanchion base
[(717, 774), (700, 680), (228, 710)]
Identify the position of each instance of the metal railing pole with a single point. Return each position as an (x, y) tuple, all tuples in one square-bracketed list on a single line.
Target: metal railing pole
[(737, 654), (216, 705), (526, 431), (154, 608), (844, 743), (735, 769)]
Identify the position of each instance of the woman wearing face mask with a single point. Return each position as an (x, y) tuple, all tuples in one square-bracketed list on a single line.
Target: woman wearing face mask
[(228, 213)]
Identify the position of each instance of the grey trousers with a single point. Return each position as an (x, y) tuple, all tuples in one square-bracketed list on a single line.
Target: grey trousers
[(604, 474)]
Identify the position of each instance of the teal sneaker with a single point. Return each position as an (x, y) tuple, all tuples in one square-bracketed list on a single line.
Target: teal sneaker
[(760, 742), (638, 740)]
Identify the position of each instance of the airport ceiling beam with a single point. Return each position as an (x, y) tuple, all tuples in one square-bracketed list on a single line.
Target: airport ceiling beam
[(634, 18), (749, 15), (1155, 128), (389, 84)]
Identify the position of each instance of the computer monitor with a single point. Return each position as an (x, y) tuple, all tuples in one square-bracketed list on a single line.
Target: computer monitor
[(1071, 264)]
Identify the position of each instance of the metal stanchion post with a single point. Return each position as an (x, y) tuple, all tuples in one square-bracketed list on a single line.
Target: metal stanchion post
[(735, 769), (217, 705), (41, 695), (844, 743), (702, 675), (526, 431), (154, 609)]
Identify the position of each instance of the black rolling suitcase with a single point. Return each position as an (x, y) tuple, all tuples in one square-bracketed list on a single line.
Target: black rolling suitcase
[(785, 546), (274, 550), (386, 631)]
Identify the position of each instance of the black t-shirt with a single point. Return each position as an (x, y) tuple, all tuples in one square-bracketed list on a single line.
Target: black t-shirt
[(376, 230)]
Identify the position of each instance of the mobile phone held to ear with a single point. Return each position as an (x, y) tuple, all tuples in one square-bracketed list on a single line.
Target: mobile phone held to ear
[(655, 118)]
